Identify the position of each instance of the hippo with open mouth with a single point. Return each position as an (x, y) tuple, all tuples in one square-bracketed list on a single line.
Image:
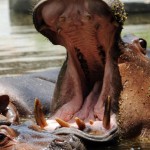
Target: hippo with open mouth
[(103, 88), (98, 82)]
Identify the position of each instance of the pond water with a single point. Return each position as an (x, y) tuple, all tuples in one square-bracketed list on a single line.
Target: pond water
[(23, 50)]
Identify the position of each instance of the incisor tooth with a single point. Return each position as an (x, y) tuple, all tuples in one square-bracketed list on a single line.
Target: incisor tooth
[(62, 123), (91, 122), (107, 111), (80, 123)]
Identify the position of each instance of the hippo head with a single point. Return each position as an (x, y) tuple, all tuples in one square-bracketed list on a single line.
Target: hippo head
[(91, 85)]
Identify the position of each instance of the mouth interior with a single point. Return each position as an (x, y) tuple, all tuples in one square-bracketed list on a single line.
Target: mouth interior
[(77, 118)]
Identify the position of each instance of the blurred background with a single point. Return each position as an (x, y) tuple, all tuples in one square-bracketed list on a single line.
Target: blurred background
[(24, 50)]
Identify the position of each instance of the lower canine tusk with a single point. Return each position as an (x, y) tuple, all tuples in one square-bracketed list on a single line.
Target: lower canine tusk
[(106, 118), (38, 113), (91, 122), (80, 123), (62, 123)]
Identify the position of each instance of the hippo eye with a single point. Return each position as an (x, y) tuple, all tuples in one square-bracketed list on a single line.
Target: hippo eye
[(143, 43), (3, 139)]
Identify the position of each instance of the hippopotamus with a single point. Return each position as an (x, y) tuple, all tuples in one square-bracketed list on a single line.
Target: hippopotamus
[(97, 80), (104, 84)]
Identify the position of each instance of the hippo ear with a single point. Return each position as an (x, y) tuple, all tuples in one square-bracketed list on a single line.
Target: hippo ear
[(41, 26), (4, 101)]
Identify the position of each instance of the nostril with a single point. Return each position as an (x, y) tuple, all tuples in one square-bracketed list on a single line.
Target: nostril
[(143, 43)]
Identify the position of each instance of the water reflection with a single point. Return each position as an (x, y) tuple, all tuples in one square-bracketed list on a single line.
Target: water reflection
[(140, 18), (22, 49), (18, 19), (24, 52)]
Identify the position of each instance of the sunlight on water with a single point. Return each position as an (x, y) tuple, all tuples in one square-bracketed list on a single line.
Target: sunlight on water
[(4, 18)]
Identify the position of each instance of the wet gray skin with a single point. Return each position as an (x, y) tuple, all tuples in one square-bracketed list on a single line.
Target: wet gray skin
[(91, 83), (29, 136)]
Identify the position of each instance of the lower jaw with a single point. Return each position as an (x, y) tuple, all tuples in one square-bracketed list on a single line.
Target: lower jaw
[(98, 131)]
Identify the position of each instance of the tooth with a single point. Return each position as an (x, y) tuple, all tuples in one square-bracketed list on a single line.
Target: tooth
[(38, 113), (80, 123), (62, 123), (91, 122), (106, 118)]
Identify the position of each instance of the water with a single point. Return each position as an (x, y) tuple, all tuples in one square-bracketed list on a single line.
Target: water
[(23, 50), (4, 18)]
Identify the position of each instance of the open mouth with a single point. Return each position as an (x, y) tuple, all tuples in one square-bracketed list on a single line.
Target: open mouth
[(88, 85)]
